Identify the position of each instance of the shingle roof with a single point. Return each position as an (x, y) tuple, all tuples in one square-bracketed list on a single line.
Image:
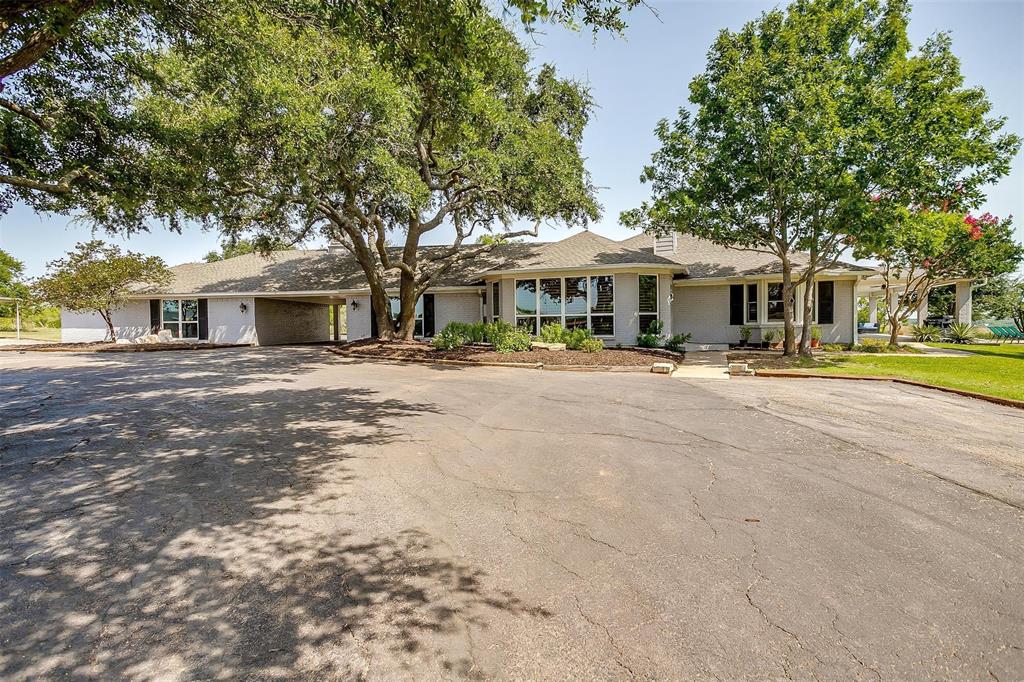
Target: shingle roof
[(321, 270)]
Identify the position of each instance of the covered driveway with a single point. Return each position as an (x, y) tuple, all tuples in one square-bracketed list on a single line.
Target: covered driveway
[(281, 512)]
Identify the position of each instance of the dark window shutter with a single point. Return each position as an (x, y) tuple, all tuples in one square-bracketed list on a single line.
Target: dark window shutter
[(428, 314), (154, 315), (204, 320), (736, 304), (826, 302), (374, 331)]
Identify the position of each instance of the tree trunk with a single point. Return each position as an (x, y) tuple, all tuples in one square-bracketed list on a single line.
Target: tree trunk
[(108, 318), (382, 311), (407, 314), (808, 306), (789, 325)]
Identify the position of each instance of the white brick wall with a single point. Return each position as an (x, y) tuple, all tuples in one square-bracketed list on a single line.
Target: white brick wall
[(280, 322), (228, 324), (455, 307), (358, 317), (130, 322), (704, 312)]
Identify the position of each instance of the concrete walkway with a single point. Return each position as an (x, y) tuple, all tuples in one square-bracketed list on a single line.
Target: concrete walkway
[(938, 352), (704, 365)]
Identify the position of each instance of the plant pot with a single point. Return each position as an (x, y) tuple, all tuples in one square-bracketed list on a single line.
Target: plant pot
[(815, 343), (777, 345)]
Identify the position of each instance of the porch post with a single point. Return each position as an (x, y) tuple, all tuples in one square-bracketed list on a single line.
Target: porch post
[(336, 323), (922, 309), (964, 302), (873, 310)]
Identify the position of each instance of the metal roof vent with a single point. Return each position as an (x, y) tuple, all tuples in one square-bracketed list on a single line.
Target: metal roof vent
[(666, 245)]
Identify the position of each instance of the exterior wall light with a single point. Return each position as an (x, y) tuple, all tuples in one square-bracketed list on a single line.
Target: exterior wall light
[(355, 305), (242, 307)]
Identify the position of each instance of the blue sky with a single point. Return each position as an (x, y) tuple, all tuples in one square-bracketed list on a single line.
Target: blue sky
[(636, 80)]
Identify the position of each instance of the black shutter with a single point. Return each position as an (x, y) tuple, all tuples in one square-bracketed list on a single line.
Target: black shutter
[(374, 331), (204, 323), (428, 314), (735, 304), (154, 315), (826, 302)]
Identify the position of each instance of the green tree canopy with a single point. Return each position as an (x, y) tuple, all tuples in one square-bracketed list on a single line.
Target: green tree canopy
[(229, 248), (308, 129), (812, 126), (98, 277)]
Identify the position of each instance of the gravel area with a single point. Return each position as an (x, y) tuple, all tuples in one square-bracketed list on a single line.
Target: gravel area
[(609, 357)]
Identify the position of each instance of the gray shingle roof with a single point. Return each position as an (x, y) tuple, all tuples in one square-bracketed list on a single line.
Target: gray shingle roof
[(320, 270)]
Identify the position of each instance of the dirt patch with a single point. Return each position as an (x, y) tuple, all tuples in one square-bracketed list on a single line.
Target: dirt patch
[(772, 359), (107, 347), (418, 351)]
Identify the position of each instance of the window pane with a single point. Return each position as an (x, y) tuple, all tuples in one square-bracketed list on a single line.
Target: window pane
[(190, 310), (496, 300), (528, 323), (602, 325), (550, 320), (575, 296), (648, 293), (751, 303), (417, 329), (579, 322), (551, 297), (396, 306), (526, 296), (419, 308), (645, 322), (190, 330), (173, 329), (170, 311), (776, 310), (602, 294)]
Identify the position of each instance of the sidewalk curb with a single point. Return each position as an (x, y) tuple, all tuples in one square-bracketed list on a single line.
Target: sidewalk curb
[(646, 369), (783, 374)]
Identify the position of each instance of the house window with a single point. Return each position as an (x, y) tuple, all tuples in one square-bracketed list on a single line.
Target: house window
[(648, 303), (180, 317), (496, 300), (752, 303), (776, 309), (602, 305), (396, 310), (824, 302), (575, 302)]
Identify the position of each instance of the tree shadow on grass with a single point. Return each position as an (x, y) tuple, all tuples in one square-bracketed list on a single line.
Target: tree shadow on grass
[(186, 517)]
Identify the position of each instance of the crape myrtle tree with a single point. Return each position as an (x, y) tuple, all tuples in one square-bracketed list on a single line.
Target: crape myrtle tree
[(307, 128), (928, 247), (98, 277), (804, 119)]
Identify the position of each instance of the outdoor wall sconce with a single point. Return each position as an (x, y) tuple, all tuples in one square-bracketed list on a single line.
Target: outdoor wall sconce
[(355, 305), (242, 307)]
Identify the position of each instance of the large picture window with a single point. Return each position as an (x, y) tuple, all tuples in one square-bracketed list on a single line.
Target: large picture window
[(575, 302), (180, 317), (396, 310), (648, 303)]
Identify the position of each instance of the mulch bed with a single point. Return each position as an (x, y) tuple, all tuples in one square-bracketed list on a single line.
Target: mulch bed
[(106, 347), (422, 352)]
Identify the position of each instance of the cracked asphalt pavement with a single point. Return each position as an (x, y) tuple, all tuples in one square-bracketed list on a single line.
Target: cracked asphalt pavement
[(280, 513)]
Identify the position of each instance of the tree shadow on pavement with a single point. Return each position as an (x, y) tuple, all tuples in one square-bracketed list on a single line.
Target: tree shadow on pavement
[(185, 517)]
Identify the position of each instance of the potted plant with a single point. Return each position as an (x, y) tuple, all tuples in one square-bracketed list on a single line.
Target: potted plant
[(769, 336), (815, 336), (745, 333)]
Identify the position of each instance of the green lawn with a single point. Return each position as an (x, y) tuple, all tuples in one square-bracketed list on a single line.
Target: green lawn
[(993, 370), (40, 334)]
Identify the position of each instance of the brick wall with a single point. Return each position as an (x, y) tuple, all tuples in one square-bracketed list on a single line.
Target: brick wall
[(280, 322)]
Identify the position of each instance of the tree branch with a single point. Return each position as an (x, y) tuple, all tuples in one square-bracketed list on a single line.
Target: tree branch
[(62, 186)]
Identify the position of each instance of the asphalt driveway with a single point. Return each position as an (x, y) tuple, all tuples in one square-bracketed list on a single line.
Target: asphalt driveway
[(284, 513)]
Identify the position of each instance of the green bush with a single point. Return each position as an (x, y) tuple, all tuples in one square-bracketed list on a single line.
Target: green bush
[(591, 345), (877, 346), (496, 329), (554, 333), (677, 342), (962, 332), (745, 333), (923, 333), (513, 341), (575, 338), (815, 333), (834, 347), (457, 334)]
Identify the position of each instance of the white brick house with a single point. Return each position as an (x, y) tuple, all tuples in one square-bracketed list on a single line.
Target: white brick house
[(615, 288)]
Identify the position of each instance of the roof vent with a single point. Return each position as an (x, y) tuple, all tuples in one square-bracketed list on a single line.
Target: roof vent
[(666, 245)]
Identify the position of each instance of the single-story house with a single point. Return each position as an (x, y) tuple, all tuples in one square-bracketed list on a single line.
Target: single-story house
[(614, 288)]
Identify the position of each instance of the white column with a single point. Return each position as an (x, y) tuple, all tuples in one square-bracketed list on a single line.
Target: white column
[(873, 310), (964, 302), (922, 308)]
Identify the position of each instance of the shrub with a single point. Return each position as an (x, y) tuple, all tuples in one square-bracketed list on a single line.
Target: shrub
[(962, 332), (677, 342), (513, 341), (874, 346), (554, 333), (449, 339), (648, 341), (575, 338), (834, 347), (769, 336), (591, 345), (815, 333), (745, 333), (496, 329), (923, 333)]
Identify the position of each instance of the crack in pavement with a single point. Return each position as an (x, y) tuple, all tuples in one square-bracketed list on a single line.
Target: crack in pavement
[(619, 654), (842, 643)]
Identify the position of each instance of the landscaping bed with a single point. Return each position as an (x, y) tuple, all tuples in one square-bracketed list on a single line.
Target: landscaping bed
[(483, 354), (107, 347)]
